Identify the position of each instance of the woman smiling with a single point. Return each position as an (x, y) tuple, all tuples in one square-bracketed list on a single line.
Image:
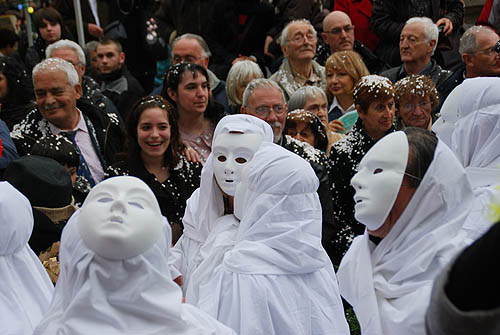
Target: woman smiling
[(154, 155)]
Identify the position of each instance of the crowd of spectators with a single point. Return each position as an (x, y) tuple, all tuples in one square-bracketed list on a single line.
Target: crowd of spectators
[(336, 83)]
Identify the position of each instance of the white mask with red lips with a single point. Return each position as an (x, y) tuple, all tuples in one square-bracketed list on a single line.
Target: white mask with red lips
[(379, 178)]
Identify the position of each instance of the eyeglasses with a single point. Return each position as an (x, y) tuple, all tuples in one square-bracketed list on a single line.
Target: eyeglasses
[(184, 59), (263, 111), (300, 38), (339, 30), (407, 108), (493, 49)]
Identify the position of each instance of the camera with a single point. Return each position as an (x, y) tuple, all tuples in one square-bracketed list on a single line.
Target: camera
[(497, 47)]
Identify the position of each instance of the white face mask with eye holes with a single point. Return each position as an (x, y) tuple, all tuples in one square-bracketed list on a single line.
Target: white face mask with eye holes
[(120, 218), (379, 178), (231, 152)]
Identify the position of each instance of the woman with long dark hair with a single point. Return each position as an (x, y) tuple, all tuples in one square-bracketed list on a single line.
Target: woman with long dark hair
[(153, 153)]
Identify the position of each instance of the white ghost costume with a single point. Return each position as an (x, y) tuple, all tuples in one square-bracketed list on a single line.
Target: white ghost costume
[(389, 284), (277, 279), (25, 289), (106, 295), (471, 95), (476, 143), (204, 219)]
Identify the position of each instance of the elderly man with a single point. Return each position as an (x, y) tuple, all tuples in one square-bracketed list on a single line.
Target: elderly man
[(413, 196), (480, 50), (73, 53), (263, 98), (298, 43), (117, 83), (97, 136), (417, 44), (192, 48), (338, 34)]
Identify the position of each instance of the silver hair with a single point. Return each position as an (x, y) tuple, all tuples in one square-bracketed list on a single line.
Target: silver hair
[(284, 33), (204, 46), (431, 31), (468, 41), (239, 72), (66, 44), (260, 83), (299, 98), (57, 64)]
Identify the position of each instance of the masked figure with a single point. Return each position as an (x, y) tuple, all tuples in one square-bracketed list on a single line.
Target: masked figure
[(277, 279), (413, 197), (114, 269)]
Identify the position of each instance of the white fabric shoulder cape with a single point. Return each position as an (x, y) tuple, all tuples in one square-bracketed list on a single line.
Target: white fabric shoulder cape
[(135, 296), (25, 289), (389, 285), (476, 143), (277, 279)]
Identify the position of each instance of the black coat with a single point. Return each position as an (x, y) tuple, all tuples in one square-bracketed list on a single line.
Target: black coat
[(389, 17), (345, 156), (172, 194), (109, 131)]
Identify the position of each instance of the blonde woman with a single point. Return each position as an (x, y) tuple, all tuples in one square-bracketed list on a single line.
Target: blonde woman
[(343, 70)]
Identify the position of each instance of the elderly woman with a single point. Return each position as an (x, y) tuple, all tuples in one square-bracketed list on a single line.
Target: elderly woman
[(416, 101), (306, 127), (313, 99), (343, 70), (374, 101), (240, 74), (413, 196)]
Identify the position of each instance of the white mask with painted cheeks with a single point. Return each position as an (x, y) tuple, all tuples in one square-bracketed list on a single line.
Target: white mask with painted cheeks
[(120, 218), (231, 152), (379, 178)]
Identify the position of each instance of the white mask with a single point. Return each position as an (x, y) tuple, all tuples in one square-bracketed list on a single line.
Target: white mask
[(120, 218), (231, 152), (379, 178), (240, 193)]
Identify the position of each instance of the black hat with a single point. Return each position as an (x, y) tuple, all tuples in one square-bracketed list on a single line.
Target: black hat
[(42, 180)]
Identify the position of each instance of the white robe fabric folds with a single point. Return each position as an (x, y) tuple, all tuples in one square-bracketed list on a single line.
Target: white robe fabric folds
[(99, 296), (206, 204), (25, 289), (389, 284), (277, 279), (476, 143), (471, 95)]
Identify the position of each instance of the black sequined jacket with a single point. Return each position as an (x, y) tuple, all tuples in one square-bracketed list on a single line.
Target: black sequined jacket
[(172, 194), (345, 156)]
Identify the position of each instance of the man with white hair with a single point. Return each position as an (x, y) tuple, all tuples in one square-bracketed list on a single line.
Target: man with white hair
[(97, 136), (264, 99), (298, 43), (480, 50), (73, 53), (417, 44)]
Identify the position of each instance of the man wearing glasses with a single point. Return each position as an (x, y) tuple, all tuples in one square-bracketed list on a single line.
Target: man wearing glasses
[(338, 35), (264, 99), (480, 50), (298, 43)]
